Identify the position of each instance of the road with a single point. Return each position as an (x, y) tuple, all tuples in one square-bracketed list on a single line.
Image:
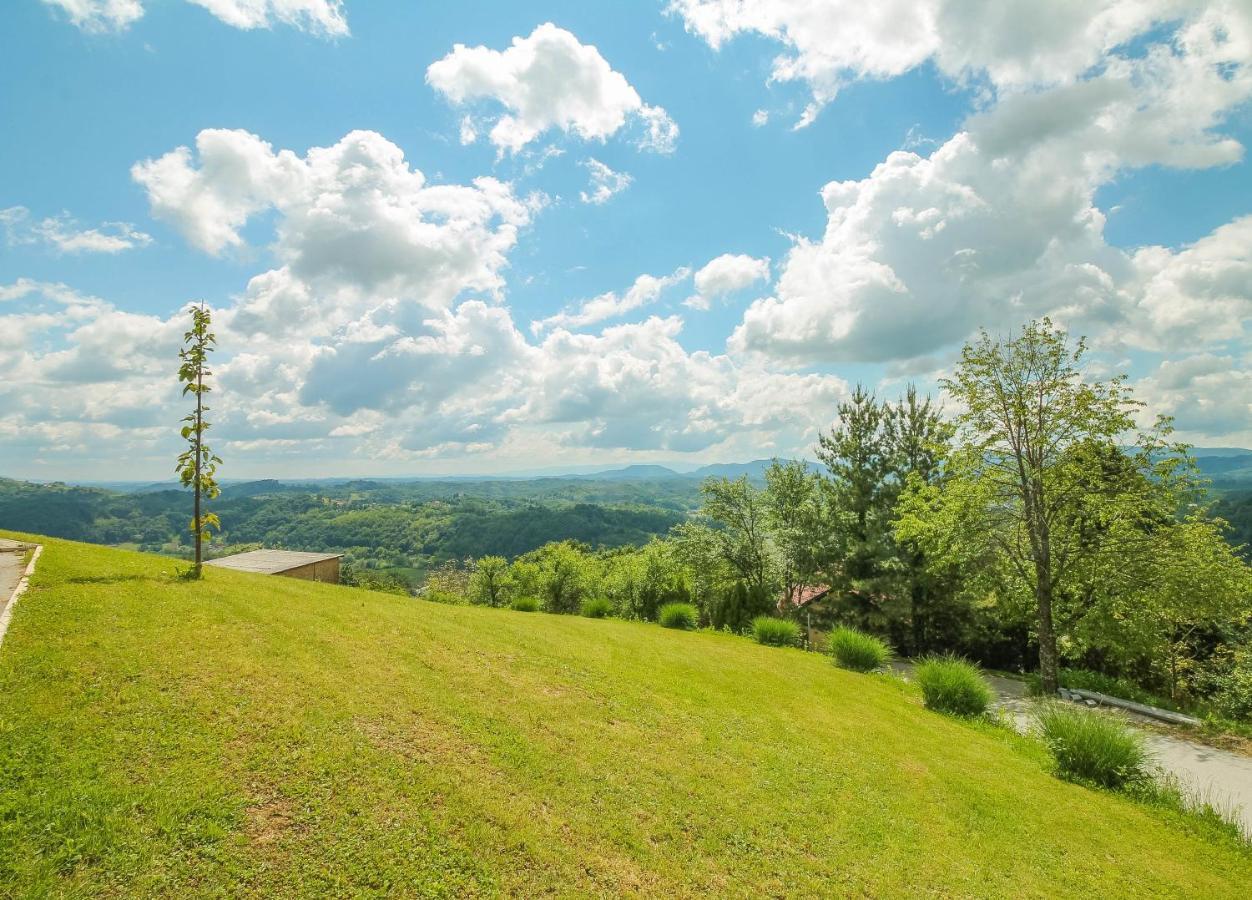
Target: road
[(1219, 776)]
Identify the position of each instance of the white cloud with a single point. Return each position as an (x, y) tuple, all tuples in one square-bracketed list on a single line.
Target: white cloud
[(1000, 223), (1011, 44), (99, 15), (321, 17), (724, 275), (354, 219), (760, 118), (1209, 396), (544, 81), (604, 182), (635, 386), (63, 234), (645, 290)]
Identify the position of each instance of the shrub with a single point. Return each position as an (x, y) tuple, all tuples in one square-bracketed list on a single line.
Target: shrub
[(678, 615), (1092, 747), (857, 650), (952, 685), (526, 604), (775, 632), (596, 608)]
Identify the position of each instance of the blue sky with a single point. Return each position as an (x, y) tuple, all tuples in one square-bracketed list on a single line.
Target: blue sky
[(1072, 167)]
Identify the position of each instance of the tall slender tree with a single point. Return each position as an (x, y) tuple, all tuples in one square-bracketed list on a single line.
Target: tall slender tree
[(197, 465), (1016, 482)]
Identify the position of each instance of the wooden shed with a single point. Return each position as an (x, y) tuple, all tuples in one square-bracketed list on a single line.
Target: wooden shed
[(290, 563)]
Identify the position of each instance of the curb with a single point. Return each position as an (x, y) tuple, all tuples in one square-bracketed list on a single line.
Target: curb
[(22, 583)]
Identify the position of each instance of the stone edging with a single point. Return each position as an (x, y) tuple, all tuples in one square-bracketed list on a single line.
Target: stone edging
[(22, 584)]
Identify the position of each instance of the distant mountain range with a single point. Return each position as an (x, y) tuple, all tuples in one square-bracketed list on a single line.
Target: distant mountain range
[(1228, 467)]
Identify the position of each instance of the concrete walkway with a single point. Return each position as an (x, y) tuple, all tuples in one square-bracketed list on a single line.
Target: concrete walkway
[(13, 566), (1220, 777)]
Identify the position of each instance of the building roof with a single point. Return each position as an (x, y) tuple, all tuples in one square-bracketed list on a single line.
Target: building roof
[(802, 595), (270, 562)]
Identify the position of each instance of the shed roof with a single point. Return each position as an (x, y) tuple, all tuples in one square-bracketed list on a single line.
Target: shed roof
[(270, 562)]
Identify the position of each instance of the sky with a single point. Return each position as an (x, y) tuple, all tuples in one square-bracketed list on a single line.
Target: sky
[(488, 237)]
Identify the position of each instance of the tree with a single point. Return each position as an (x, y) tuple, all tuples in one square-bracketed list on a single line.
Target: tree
[(489, 581), (859, 500), (561, 574), (197, 465), (919, 441), (742, 539), (794, 507), (1015, 481)]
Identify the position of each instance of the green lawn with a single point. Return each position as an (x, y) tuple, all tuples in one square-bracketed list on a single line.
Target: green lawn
[(252, 735)]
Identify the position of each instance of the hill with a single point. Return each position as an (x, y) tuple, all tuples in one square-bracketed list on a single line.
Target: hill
[(267, 736)]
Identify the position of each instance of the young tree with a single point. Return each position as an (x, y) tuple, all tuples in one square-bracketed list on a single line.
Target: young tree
[(794, 507), (489, 581), (859, 499), (919, 441), (197, 465), (743, 538), (1015, 481)]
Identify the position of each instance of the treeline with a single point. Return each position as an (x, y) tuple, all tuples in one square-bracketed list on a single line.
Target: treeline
[(1035, 528), (396, 542)]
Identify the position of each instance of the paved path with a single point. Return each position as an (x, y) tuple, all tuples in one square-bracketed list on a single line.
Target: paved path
[(1219, 776), (12, 565)]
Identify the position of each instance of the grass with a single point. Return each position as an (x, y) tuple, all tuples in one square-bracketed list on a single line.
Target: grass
[(857, 650), (596, 608), (678, 615), (270, 737), (952, 685), (775, 632), (1096, 748), (525, 604)]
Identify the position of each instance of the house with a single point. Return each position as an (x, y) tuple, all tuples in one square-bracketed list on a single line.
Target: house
[(289, 563)]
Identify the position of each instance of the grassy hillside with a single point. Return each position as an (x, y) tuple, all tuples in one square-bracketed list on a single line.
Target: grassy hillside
[(254, 735)]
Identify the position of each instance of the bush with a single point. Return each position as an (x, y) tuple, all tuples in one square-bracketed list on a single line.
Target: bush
[(1092, 747), (857, 650), (775, 632), (596, 608), (678, 615), (526, 604), (952, 685)]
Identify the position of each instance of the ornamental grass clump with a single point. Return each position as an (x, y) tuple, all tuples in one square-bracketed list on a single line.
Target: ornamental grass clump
[(596, 608), (526, 604), (857, 650), (952, 685), (1096, 748), (775, 632), (678, 615)]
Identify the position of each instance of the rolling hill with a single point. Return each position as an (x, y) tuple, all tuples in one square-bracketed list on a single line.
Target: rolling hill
[(252, 735)]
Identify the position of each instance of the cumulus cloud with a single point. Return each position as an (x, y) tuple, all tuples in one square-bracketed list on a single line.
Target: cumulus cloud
[(724, 275), (546, 81), (322, 17), (63, 234), (1208, 395), (645, 290), (353, 218), (604, 182), (635, 386), (1000, 223), (1009, 44)]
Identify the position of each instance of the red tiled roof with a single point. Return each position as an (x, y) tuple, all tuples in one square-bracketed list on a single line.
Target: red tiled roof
[(804, 594)]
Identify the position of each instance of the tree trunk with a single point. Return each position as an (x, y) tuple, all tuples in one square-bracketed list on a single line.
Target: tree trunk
[(1047, 636), (195, 523)]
